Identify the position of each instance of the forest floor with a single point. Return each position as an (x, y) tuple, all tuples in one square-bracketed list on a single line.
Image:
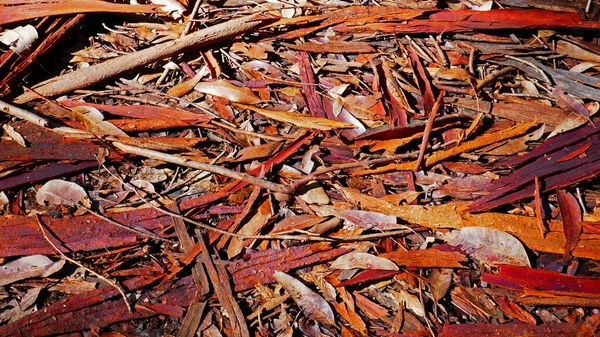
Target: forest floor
[(300, 168)]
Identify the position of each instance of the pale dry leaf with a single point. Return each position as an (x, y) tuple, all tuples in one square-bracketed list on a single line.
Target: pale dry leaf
[(173, 7), (20, 38), (14, 135), (362, 261), (440, 280), (411, 302), (60, 192), (313, 194), (312, 304), (94, 122), (28, 267), (299, 120), (222, 88), (489, 245), (367, 219)]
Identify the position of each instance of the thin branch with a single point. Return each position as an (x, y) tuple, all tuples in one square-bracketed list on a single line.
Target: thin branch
[(112, 283)]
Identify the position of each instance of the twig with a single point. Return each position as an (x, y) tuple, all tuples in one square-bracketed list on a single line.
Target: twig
[(492, 77), (85, 77), (544, 76), (315, 175), (427, 132), (271, 186), (127, 228), (112, 283)]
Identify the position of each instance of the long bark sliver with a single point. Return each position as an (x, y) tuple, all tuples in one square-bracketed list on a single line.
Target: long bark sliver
[(102, 71)]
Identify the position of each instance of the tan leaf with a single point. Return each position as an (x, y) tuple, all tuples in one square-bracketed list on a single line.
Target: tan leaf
[(299, 120), (27, 267), (252, 227), (362, 261), (60, 192), (227, 90), (14, 135), (93, 120), (313, 305), (489, 245)]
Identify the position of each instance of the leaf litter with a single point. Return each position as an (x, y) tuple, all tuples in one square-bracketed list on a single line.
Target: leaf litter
[(337, 168)]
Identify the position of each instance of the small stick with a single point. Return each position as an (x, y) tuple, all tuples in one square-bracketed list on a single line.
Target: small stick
[(428, 127), (542, 73), (112, 283)]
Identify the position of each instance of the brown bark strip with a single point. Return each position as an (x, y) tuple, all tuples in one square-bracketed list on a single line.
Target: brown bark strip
[(313, 100), (99, 72)]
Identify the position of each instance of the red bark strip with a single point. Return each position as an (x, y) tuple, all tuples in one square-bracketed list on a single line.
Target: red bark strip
[(20, 236), (581, 329), (258, 267), (571, 219), (313, 100), (520, 278)]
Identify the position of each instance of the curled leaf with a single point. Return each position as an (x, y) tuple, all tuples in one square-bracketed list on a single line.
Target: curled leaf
[(314, 305), (489, 245), (28, 267), (60, 192), (363, 261), (227, 90), (299, 120)]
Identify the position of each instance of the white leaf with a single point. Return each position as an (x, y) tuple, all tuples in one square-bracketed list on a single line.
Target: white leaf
[(489, 245), (363, 261), (14, 135), (314, 305), (28, 267), (60, 192), (20, 38), (94, 122)]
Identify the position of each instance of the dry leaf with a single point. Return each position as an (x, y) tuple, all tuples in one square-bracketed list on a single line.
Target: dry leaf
[(312, 304), (20, 38), (60, 192), (229, 91), (362, 261), (14, 135), (440, 280), (489, 245), (299, 120), (28, 267), (93, 120), (367, 219), (571, 219)]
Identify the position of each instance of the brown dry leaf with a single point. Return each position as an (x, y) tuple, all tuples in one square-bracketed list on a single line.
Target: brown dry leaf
[(347, 310), (60, 192), (28, 267), (94, 122), (489, 245), (440, 280), (252, 227), (411, 302), (227, 90), (312, 304), (299, 120), (571, 219), (187, 85), (362, 261)]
